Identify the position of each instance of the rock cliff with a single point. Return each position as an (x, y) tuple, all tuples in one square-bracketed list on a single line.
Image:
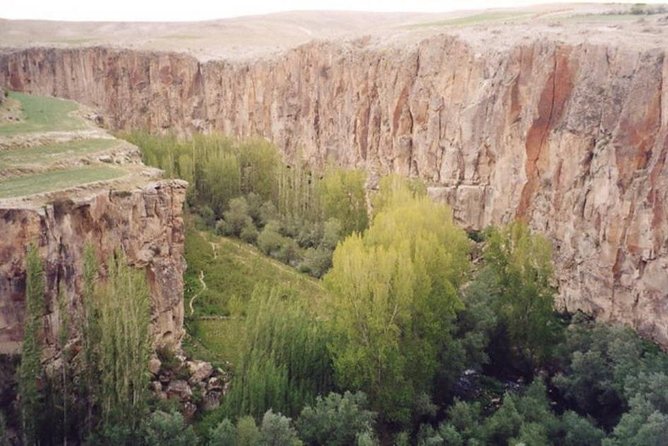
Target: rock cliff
[(569, 135), (65, 184)]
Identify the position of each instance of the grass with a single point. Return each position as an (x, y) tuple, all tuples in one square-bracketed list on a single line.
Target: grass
[(54, 152), (43, 114), (475, 19), (231, 273), (56, 179)]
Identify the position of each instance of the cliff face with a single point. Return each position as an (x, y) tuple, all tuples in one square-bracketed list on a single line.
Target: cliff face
[(145, 223), (572, 138)]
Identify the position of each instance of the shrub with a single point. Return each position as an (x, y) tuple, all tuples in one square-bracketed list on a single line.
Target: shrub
[(168, 429), (277, 430), (336, 420)]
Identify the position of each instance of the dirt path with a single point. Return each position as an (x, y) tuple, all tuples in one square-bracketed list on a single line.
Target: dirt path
[(192, 299)]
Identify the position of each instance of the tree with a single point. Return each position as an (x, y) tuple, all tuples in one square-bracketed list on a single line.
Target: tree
[(335, 420), (224, 434), (277, 430), (342, 196), (30, 371), (522, 265), (394, 294), (168, 429), (247, 432), (123, 314)]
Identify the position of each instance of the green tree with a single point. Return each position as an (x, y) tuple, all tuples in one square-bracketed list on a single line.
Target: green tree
[(277, 430), (343, 197), (394, 294), (123, 314), (30, 371), (335, 420), (224, 434), (168, 429), (522, 264), (247, 432)]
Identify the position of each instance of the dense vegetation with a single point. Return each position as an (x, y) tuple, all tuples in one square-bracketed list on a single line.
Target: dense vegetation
[(416, 334)]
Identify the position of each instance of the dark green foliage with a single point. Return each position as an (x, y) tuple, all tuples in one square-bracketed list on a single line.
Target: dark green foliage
[(521, 263), (600, 360), (336, 420), (578, 431), (168, 429), (277, 430), (30, 371)]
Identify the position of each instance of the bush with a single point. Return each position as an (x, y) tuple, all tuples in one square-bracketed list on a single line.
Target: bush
[(249, 233), (336, 420), (224, 434), (247, 432), (168, 429), (277, 430)]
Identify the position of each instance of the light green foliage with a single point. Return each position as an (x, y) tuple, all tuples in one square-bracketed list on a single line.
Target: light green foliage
[(342, 196), (168, 429), (394, 189), (277, 430), (247, 432), (522, 264), (123, 314), (224, 434), (30, 370), (283, 356), (336, 420), (217, 168), (394, 293)]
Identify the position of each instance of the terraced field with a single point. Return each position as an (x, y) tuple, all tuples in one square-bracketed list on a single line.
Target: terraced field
[(41, 114), (48, 145)]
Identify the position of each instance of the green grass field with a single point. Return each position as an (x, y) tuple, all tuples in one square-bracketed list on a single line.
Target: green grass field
[(56, 179), (43, 114), (54, 152), (231, 270)]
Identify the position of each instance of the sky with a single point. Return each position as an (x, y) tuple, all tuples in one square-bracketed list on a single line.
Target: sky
[(186, 10)]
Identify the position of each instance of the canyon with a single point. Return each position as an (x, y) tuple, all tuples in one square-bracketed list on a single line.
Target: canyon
[(558, 122)]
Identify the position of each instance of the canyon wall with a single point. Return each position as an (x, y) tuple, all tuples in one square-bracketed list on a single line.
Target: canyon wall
[(572, 138), (145, 223)]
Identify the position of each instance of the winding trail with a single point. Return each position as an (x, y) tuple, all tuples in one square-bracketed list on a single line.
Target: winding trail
[(204, 287)]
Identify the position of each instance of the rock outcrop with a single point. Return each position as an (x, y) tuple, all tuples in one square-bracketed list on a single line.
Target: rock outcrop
[(570, 137), (146, 223)]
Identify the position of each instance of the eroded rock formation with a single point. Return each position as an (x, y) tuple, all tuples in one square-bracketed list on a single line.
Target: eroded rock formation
[(571, 137), (146, 223)]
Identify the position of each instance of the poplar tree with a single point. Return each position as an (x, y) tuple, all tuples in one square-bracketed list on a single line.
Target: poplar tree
[(30, 371), (124, 345), (394, 295)]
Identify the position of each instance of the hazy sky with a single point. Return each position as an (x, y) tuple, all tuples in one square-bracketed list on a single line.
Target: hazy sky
[(169, 10)]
